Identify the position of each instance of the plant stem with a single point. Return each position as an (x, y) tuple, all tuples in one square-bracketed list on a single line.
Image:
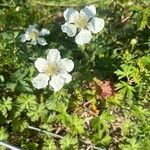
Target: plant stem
[(9, 146), (61, 137), (46, 132)]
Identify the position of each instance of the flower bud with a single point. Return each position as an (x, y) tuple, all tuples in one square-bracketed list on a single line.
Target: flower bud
[(133, 42)]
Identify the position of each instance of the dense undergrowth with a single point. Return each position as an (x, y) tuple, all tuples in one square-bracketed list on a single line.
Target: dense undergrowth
[(106, 105)]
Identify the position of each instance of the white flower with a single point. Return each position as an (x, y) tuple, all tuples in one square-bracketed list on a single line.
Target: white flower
[(53, 71), (82, 24), (33, 36)]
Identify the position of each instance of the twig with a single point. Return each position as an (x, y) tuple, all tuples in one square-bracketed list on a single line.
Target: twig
[(61, 137), (126, 19), (46, 132), (9, 146)]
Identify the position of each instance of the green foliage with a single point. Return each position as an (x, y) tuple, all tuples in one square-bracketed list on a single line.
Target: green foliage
[(26, 101), (68, 143), (76, 124), (77, 117), (125, 89), (3, 134), (125, 72), (126, 127), (37, 112), (48, 144), (100, 128), (131, 145), (5, 106)]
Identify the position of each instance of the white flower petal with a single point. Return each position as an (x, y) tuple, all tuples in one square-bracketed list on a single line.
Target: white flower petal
[(41, 64), (70, 29), (96, 25), (53, 56), (41, 41), (88, 12), (32, 28), (71, 15), (25, 37), (33, 42), (44, 32), (83, 37), (67, 77), (66, 65), (57, 82), (40, 81)]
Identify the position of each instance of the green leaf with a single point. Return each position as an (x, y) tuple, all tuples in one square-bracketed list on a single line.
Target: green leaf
[(24, 86), (38, 111), (49, 144), (76, 124), (140, 112), (126, 127), (106, 139), (131, 145), (2, 78), (3, 134), (19, 125), (11, 86), (69, 142), (5, 105), (29, 145), (125, 72), (102, 121), (26, 101), (145, 17), (125, 89)]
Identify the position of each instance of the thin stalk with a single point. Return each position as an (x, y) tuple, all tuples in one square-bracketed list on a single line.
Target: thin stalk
[(61, 137), (9, 146), (46, 132)]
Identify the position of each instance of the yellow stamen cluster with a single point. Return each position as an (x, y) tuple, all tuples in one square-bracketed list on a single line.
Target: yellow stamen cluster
[(33, 35), (51, 70), (81, 22)]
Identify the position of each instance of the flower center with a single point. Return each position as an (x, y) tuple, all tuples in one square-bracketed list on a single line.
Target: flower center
[(81, 22), (51, 70), (33, 35)]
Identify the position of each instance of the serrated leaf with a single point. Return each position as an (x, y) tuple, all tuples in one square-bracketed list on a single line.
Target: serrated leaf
[(3, 134), (125, 89), (125, 72), (76, 124), (49, 144), (69, 142), (5, 106), (38, 111), (26, 101)]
